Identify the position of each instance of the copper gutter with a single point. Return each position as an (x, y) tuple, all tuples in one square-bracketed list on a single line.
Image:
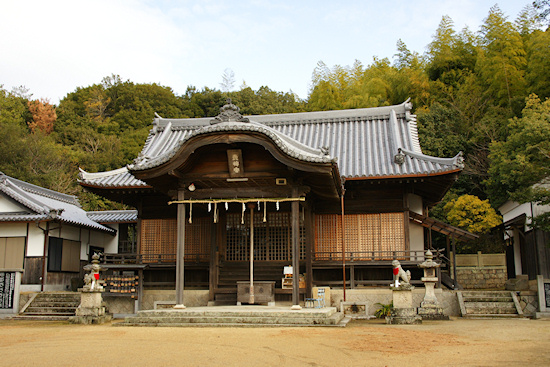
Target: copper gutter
[(343, 244), (402, 176)]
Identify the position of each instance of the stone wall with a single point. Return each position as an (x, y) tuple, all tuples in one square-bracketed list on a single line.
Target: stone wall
[(529, 302), (482, 277), (447, 299)]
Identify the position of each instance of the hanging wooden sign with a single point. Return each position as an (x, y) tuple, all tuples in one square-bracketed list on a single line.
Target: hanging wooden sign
[(235, 162)]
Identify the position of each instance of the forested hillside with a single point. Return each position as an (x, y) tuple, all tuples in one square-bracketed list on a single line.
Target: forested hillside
[(484, 92)]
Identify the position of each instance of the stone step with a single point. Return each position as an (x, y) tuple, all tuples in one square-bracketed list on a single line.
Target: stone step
[(493, 316), (227, 316), (49, 310), (482, 298), (484, 304), (326, 312), (42, 317), (497, 294), (55, 304), (49, 298), (492, 311), (59, 294), (235, 320), (342, 323)]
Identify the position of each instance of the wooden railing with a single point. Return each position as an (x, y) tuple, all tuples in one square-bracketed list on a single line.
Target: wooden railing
[(150, 258), (350, 256), (415, 256)]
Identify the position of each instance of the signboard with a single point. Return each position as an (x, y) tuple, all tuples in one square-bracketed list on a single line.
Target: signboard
[(547, 294), (7, 289)]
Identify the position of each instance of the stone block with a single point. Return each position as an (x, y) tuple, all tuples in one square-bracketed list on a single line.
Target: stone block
[(402, 298), (403, 316), (432, 313)]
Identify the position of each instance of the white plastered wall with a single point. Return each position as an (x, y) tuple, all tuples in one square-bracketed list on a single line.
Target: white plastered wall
[(106, 241), (35, 242), (416, 231), (9, 206), (11, 229)]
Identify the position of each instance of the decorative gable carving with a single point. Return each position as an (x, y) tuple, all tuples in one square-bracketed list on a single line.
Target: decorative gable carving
[(229, 112)]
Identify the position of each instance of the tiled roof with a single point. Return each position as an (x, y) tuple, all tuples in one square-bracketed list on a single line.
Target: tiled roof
[(170, 140), (114, 216), (366, 143), (116, 178), (44, 204)]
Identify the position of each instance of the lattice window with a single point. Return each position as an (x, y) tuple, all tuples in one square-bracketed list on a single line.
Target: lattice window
[(272, 239), (159, 240), (368, 236), (237, 238), (328, 234), (198, 239)]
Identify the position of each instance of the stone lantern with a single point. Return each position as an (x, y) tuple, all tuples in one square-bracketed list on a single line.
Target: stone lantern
[(430, 308)]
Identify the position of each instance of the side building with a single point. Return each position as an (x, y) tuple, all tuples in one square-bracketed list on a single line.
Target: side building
[(46, 236), (335, 196)]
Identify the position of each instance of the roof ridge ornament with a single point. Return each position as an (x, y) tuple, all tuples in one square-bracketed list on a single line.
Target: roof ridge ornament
[(229, 112), (399, 158), (459, 160)]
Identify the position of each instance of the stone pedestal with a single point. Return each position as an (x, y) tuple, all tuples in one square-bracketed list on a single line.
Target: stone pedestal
[(91, 309), (403, 312), (429, 308)]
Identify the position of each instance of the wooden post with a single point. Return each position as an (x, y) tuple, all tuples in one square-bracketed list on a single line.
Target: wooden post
[(295, 252), (140, 289), (180, 251), (454, 262), (310, 235), (251, 207), (212, 284), (44, 268)]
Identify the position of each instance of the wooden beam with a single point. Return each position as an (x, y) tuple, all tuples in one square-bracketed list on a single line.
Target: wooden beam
[(245, 192)]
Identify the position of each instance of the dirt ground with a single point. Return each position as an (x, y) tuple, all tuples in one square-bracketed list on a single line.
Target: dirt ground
[(362, 343)]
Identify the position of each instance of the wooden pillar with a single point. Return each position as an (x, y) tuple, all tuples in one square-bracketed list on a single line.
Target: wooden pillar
[(406, 224), (251, 206), (309, 223), (212, 274), (44, 277), (454, 262), (295, 251), (180, 251), (140, 289)]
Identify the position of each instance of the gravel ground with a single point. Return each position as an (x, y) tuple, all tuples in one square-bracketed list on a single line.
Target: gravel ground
[(362, 343)]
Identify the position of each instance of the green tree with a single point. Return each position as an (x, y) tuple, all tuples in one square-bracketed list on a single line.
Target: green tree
[(501, 63), (523, 159), (538, 63)]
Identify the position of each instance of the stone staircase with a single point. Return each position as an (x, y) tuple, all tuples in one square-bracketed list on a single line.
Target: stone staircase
[(50, 306), (238, 316), (489, 304)]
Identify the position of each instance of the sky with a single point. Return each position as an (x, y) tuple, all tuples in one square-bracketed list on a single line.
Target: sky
[(52, 47)]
